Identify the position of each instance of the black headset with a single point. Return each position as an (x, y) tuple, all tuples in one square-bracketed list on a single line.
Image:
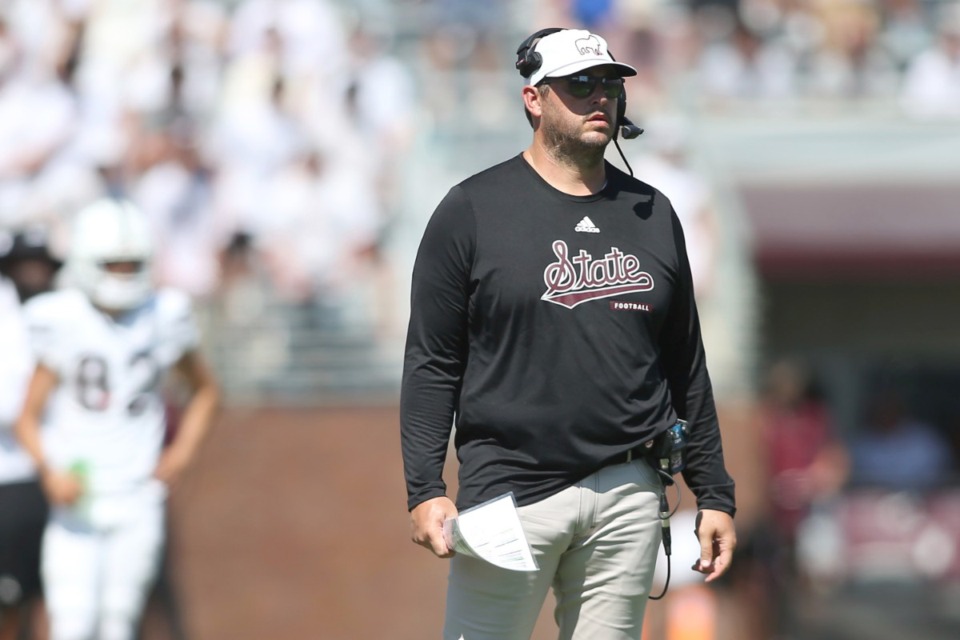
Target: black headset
[(528, 61)]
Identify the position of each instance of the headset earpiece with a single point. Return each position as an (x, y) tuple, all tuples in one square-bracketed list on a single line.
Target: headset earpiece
[(528, 60)]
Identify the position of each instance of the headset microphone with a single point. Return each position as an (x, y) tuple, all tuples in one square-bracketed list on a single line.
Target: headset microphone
[(628, 130)]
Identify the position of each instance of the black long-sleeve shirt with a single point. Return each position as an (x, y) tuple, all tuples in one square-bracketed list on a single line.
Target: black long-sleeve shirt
[(558, 331)]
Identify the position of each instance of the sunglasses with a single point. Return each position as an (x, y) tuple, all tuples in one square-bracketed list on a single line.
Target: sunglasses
[(584, 86)]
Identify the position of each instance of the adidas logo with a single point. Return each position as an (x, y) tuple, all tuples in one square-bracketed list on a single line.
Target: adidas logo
[(586, 226)]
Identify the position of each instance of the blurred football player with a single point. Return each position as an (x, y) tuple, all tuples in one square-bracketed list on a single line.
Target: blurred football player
[(103, 346), (27, 268)]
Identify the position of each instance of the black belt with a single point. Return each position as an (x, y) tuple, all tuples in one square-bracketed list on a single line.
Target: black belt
[(639, 452)]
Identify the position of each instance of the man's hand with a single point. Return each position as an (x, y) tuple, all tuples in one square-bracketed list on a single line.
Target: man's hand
[(718, 539), (61, 489), (426, 524), (171, 465)]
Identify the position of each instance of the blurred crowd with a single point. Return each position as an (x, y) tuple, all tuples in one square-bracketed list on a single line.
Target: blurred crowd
[(725, 53), (269, 135), (248, 132), (870, 502)]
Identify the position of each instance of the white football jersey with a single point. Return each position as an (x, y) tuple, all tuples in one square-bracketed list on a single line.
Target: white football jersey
[(107, 413)]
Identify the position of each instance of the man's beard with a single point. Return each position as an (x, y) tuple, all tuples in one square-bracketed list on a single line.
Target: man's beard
[(569, 146)]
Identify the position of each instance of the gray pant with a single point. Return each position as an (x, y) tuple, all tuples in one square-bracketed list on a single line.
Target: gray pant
[(596, 544)]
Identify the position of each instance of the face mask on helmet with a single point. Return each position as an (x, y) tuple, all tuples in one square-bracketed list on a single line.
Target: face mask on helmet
[(111, 253)]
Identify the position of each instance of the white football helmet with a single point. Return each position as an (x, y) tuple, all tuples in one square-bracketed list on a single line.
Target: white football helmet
[(110, 231)]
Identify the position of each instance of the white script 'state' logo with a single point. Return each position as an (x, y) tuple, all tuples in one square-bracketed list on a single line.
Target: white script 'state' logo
[(571, 281)]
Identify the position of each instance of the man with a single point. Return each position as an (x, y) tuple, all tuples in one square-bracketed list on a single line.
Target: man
[(27, 268), (103, 348), (553, 317)]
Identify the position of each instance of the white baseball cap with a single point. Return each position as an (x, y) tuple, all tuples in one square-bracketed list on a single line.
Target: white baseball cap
[(566, 52)]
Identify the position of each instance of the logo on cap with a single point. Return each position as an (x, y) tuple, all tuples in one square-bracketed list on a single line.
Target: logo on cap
[(589, 46)]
